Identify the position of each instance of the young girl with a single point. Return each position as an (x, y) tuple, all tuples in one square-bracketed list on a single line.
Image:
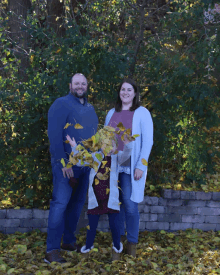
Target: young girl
[(103, 195)]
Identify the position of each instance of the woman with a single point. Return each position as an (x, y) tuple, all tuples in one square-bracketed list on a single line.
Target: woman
[(132, 173)]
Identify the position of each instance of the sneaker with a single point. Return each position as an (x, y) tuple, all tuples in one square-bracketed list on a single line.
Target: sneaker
[(54, 256), (70, 247)]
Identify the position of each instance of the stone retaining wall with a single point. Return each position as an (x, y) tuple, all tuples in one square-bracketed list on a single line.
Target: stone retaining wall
[(175, 210)]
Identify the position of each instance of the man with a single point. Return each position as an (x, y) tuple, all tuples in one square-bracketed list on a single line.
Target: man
[(65, 207)]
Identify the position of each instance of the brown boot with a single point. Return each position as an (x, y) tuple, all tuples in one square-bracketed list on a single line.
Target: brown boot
[(123, 238), (116, 253), (54, 256), (131, 249)]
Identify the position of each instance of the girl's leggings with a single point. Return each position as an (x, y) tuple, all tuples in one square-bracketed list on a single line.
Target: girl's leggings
[(114, 226)]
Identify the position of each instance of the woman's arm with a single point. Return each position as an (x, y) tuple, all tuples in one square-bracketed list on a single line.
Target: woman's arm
[(146, 124)]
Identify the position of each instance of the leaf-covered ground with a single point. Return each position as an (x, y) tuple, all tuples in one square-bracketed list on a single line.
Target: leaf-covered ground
[(183, 252)]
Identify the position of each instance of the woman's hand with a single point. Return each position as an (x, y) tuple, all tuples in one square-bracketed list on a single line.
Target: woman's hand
[(71, 141), (138, 174)]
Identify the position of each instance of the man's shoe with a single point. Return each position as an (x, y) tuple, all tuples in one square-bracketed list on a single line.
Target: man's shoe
[(70, 247), (54, 256), (131, 249)]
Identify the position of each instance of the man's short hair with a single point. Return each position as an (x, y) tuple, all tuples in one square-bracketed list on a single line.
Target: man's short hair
[(77, 74)]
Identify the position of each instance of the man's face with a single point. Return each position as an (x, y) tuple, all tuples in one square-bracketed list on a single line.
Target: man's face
[(79, 85)]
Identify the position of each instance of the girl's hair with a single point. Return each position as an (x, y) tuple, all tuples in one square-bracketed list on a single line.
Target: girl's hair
[(136, 101)]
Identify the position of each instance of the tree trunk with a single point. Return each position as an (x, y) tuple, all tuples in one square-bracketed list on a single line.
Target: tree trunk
[(19, 36), (55, 16)]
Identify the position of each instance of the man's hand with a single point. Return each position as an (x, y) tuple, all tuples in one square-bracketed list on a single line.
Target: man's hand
[(137, 174), (67, 172)]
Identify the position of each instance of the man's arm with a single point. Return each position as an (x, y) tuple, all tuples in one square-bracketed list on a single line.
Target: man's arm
[(57, 116)]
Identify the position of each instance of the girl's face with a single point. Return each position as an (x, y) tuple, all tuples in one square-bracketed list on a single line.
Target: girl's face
[(113, 150)]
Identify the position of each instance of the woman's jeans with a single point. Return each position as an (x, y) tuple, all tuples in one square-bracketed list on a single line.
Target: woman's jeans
[(65, 207), (129, 210), (113, 223)]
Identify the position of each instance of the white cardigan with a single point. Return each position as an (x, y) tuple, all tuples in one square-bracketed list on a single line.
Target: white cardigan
[(116, 160), (142, 125)]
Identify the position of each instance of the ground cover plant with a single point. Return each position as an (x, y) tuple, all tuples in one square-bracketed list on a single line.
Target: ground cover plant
[(190, 252)]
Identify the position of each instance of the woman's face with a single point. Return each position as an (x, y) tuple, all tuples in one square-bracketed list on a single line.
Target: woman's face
[(127, 93)]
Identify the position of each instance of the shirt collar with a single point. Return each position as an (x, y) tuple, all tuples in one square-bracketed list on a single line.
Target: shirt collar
[(77, 99)]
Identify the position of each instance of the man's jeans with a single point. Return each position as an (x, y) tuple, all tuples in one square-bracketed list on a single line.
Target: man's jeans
[(65, 208), (129, 210)]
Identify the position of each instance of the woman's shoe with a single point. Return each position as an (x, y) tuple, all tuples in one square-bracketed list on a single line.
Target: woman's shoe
[(131, 249), (85, 251), (116, 253)]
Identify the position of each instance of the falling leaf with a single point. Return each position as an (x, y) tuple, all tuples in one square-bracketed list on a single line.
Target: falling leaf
[(67, 125), (67, 141), (119, 203), (128, 131), (118, 132), (59, 50), (78, 126), (109, 128), (103, 163), (107, 170), (63, 162), (120, 189), (107, 191), (79, 147), (98, 156), (121, 126), (88, 227), (135, 136), (144, 162), (96, 181), (69, 165), (102, 176)]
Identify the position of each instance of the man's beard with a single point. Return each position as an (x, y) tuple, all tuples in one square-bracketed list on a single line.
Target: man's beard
[(74, 92)]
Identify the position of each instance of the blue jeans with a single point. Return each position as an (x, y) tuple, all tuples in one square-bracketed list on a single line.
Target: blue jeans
[(113, 223), (65, 207), (129, 213)]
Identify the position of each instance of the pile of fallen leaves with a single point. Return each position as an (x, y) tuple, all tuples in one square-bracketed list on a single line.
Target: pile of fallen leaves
[(183, 252)]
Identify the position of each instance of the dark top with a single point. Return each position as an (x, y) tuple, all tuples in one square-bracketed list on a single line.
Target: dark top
[(68, 109), (100, 192)]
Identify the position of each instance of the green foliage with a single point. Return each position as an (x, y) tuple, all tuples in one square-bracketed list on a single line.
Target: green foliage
[(177, 66)]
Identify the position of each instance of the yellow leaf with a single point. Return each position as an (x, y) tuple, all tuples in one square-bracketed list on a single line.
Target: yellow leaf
[(101, 176), (96, 181), (135, 136), (95, 166), (67, 125), (17, 207), (59, 50), (121, 126), (109, 128), (120, 189), (128, 131), (80, 147), (32, 58), (103, 163), (107, 191), (98, 156), (144, 162), (78, 126), (119, 203), (69, 165), (88, 227), (67, 141), (63, 162)]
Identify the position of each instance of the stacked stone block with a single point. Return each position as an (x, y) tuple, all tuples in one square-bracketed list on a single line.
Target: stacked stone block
[(175, 210)]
